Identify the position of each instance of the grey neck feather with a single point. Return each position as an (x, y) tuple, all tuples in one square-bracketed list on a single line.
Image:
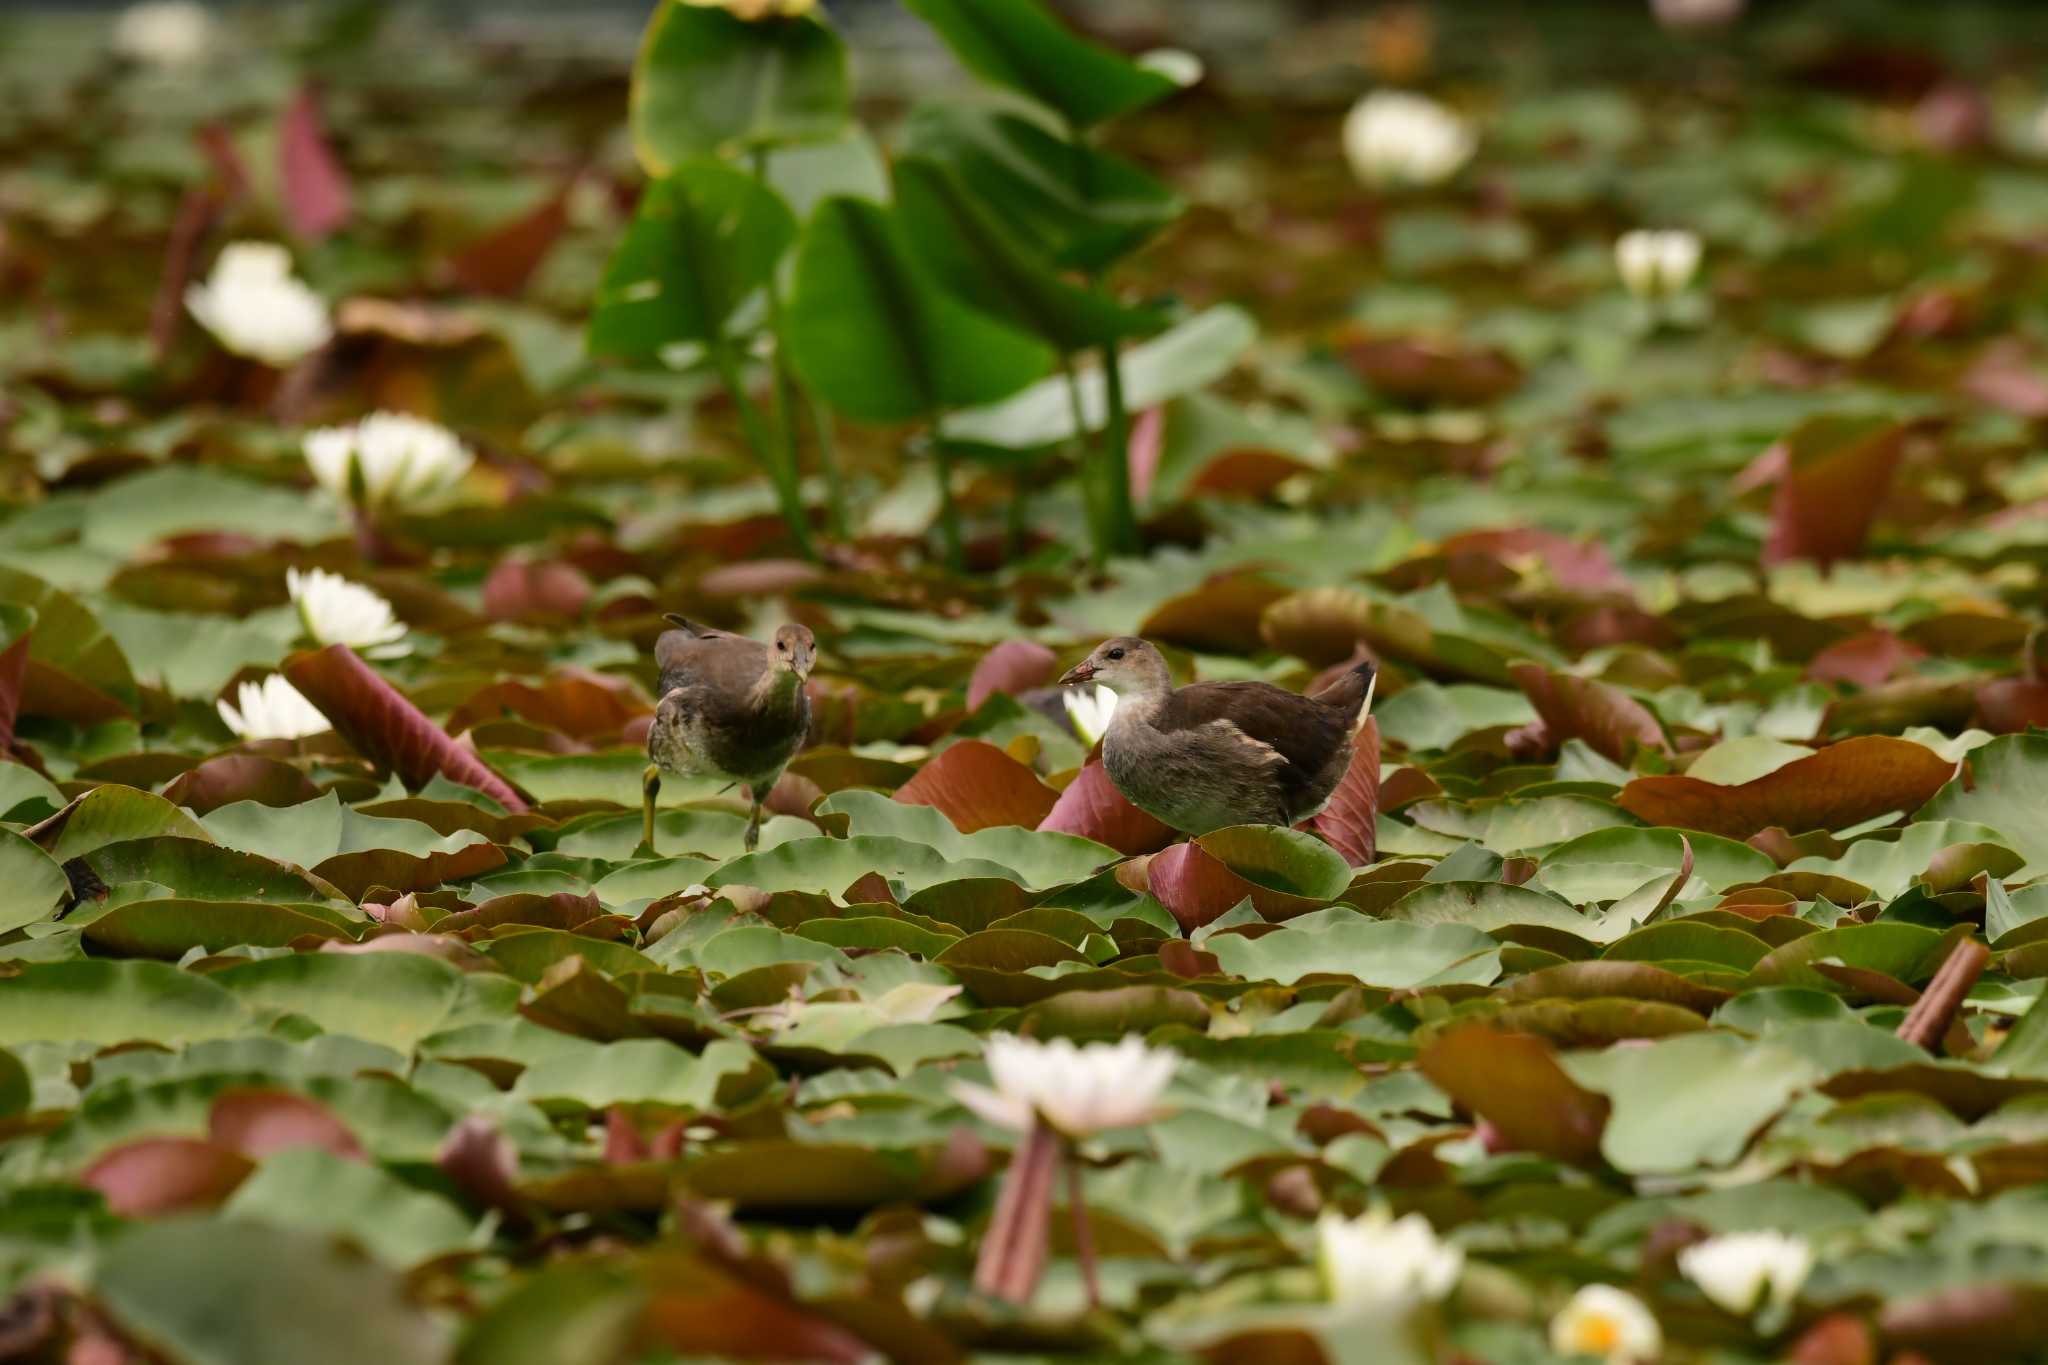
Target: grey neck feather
[(1137, 708), (777, 690)]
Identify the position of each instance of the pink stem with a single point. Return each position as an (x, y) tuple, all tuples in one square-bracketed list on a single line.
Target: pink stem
[(1084, 1232), (1013, 1251)]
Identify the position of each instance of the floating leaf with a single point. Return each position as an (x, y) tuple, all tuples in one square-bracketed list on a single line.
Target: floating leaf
[(978, 786), (1512, 1081), (1093, 808), (1351, 820), (1830, 789), (377, 719), (243, 1291), (1836, 471), (1607, 718)]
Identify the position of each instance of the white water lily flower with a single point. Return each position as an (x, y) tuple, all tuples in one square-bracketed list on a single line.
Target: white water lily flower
[(167, 33), (1379, 1261), (1089, 708), (338, 612), (255, 307), (1078, 1090), (1696, 13), (1656, 265), (1740, 1269), (388, 457), (272, 709), (1392, 137), (1610, 1323)]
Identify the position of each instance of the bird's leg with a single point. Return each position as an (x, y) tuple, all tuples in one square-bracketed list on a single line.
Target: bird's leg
[(754, 822), (650, 788)]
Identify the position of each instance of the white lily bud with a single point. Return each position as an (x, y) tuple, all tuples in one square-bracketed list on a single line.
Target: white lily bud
[(338, 612), (1610, 1323), (1078, 1090), (1742, 1268), (255, 307), (272, 709), (165, 33), (1379, 1261), (1393, 137), (387, 458), (1654, 264)]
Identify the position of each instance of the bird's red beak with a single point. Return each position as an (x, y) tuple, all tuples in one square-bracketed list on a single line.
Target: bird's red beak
[(1079, 673)]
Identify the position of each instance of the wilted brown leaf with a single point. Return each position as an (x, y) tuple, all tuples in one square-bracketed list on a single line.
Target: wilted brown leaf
[(159, 1175), (1093, 808), (1514, 1082), (1830, 789), (1837, 471), (1350, 823), (1221, 616), (1607, 718), (383, 726), (257, 1123), (977, 786), (1015, 667)]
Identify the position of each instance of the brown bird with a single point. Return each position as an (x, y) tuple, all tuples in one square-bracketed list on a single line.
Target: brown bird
[(730, 707), (1221, 753)]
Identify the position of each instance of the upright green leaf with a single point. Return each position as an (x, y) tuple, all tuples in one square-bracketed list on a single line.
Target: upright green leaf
[(1021, 45), (1071, 203), (874, 334), (707, 82), (703, 240), (973, 254), (806, 174)]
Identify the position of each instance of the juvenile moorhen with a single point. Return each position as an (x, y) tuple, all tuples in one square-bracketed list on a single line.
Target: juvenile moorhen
[(1221, 753), (730, 707)]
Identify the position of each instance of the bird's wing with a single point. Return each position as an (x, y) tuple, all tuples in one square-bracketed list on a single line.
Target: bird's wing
[(1300, 733), (718, 665)]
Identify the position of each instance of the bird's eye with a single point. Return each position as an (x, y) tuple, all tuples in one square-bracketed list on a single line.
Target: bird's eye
[(1116, 654)]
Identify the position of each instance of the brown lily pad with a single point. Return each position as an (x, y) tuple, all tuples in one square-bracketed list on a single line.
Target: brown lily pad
[(978, 786), (1832, 788)]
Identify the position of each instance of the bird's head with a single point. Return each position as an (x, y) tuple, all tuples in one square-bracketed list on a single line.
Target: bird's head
[(1125, 665), (795, 649)]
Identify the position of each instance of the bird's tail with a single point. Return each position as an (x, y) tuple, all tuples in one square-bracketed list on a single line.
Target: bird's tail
[(1351, 694), (689, 627)]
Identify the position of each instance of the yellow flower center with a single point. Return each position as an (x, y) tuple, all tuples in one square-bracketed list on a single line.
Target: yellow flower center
[(1597, 1335)]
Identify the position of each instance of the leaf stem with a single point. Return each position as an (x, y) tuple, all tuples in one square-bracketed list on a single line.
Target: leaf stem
[(949, 510), (1016, 519), (785, 386), (782, 474), (1092, 487), (1927, 1023), (828, 461), (1116, 457), (1084, 1232)]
